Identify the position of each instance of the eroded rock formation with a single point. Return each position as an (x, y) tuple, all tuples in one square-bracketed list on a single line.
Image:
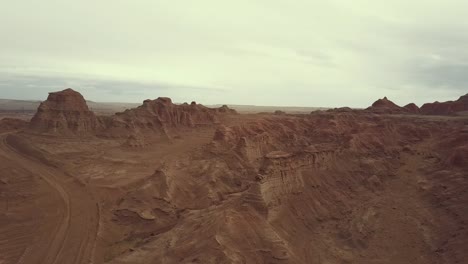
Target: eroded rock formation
[(385, 106), (64, 112), (446, 108), (11, 124), (412, 108), (329, 187), (160, 116)]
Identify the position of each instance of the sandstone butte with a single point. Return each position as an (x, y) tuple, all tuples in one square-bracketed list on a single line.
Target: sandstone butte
[(66, 112)]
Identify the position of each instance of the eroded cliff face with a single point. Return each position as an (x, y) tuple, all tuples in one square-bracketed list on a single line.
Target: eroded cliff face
[(338, 199), (64, 112), (446, 108), (162, 117), (326, 188)]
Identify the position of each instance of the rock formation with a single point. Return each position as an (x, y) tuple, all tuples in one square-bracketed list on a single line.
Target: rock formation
[(64, 112), (384, 103), (340, 110), (11, 124), (225, 110), (385, 106), (161, 115), (135, 141), (412, 108), (339, 186), (446, 108)]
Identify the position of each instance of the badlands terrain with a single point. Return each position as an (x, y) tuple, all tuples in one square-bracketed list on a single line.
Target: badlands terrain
[(184, 183)]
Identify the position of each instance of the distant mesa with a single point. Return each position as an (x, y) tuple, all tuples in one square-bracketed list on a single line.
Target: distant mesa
[(64, 112), (161, 115), (226, 110), (446, 108), (385, 106), (340, 110)]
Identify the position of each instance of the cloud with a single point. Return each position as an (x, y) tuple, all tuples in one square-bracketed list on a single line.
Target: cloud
[(310, 53), (37, 87), (447, 76)]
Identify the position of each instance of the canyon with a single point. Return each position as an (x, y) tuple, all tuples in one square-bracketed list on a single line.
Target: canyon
[(185, 183)]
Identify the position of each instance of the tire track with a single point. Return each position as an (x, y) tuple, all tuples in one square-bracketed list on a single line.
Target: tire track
[(74, 239)]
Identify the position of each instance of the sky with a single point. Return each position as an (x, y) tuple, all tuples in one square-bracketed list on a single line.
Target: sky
[(258, 52)]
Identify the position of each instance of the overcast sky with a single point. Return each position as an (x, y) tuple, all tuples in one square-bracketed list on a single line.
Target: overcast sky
[(264, 52)]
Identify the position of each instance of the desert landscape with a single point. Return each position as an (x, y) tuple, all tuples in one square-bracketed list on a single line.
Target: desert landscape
[(185, 183)]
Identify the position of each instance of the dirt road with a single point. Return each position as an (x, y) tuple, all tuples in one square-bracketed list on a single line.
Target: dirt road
[(69, 233)]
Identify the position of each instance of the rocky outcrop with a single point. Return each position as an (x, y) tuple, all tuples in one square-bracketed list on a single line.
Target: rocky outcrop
[(224, 109), (412, 108), (11, 124), (161, 115), (280, 176), (446, 108), (384, 103), (340, 110), (253, 140), (64, 112), (459, 157), (280, 173), (135, 141), (385, 106)]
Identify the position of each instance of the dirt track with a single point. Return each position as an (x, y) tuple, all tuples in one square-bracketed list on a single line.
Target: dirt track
[(67, 237)]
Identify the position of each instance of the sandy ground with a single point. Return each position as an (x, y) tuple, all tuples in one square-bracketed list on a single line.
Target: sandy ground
[(383, 192), (66, 228)]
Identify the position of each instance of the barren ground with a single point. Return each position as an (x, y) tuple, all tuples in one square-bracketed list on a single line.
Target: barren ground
[(325, 188)]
